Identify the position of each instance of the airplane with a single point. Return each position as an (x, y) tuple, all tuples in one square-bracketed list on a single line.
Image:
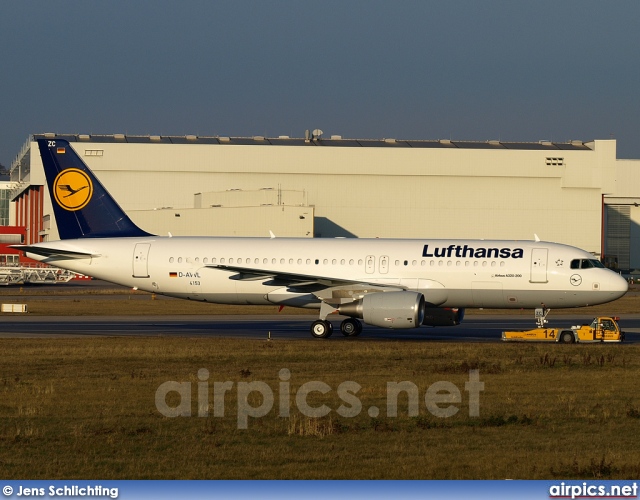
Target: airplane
[(390, 283)]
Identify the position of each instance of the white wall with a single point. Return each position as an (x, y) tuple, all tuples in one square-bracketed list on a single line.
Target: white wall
[(378, 192)]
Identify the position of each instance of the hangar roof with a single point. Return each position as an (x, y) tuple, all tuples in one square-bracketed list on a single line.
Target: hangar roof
[(335, 141)]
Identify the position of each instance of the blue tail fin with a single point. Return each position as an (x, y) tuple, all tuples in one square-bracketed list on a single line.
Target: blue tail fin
[(82, 206)]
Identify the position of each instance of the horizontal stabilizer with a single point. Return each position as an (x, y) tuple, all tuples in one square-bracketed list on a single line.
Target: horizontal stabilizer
[(53, 252)]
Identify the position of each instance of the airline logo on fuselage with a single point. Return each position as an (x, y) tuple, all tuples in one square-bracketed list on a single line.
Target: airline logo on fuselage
[(467, 252), (72, 189)]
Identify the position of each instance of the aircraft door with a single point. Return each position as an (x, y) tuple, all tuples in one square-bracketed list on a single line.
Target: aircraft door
[(539, 265), (141, 260)]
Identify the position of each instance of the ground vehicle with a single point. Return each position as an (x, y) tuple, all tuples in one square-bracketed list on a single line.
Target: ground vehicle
[(601, 329)]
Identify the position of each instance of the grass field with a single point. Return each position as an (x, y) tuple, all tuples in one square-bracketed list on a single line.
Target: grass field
[(90, 302), (85, 408)]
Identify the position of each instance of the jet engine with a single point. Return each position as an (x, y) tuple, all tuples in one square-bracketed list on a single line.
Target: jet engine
[(393, 310), (439, 316)]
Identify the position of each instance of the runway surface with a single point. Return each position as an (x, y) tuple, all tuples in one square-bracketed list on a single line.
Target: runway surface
[(473, 329)]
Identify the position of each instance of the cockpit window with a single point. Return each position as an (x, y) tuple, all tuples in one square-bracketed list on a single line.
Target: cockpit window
[(585, 263)]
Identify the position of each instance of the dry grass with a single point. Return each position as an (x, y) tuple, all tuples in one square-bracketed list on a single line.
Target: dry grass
[(109, 301), (144, 306), (85, 409)]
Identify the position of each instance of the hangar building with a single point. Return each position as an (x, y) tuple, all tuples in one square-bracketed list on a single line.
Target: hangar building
[(576, 193)]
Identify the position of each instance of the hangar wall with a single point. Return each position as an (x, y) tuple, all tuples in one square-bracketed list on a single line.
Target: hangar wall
[(282, 221), (622, 218), (384, 189)]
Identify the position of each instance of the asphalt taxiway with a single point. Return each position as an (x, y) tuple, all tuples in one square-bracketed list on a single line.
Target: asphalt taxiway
[(260, 327)]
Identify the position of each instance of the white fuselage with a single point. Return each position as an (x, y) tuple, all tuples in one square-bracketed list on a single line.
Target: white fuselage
[(449, 273)]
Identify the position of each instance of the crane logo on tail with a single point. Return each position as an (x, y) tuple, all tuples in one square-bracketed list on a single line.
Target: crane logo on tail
[(72, 189)]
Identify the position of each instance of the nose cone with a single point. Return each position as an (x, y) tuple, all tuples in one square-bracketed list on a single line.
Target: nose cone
[(616, 285)]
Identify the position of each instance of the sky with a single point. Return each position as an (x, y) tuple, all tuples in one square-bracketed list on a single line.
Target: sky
[(462, 70)]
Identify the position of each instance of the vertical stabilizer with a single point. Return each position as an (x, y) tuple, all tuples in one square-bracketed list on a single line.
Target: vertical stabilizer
[(82, 206)]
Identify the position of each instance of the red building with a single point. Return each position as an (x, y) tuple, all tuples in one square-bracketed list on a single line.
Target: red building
[(29, 213), (12, 235)]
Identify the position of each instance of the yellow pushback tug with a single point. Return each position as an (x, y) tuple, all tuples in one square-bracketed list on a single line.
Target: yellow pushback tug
[(601, 329)]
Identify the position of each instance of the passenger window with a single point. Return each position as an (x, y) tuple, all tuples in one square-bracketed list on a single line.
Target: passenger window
[(170, 260)]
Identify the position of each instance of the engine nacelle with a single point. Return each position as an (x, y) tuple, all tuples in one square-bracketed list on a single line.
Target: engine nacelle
[(393, 310), (437, 316)]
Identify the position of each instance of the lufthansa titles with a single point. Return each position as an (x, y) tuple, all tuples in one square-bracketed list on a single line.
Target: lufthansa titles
[(467, 252)]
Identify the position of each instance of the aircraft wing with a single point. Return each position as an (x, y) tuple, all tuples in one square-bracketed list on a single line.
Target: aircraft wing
[(298, 280)]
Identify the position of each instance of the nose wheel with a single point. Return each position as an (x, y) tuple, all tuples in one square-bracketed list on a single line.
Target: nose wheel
[(351, 327), (321, 329)]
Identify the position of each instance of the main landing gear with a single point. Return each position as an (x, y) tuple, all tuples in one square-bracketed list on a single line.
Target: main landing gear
[(322, 329), (351, 327)]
